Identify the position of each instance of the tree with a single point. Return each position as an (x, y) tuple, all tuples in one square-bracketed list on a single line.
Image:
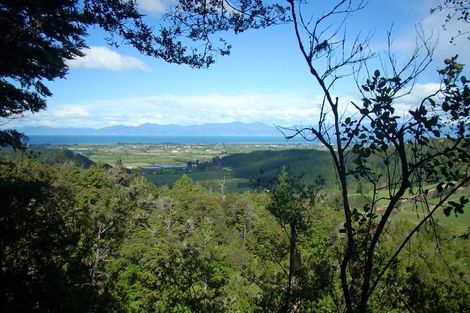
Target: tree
[(292, 206), (42, 269), (61, 226), (39, 37), (173, 260), (426, 148)]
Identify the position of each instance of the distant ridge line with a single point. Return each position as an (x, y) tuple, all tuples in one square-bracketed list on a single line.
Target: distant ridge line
[(148, 129)]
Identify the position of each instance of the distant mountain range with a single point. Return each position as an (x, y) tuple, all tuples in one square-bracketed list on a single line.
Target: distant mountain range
[(218, 129)]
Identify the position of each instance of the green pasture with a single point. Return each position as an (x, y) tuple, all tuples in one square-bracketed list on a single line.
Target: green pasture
[(142, 155), (414, 214)]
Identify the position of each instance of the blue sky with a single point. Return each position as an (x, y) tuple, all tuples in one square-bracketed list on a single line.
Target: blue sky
[(263, 80)]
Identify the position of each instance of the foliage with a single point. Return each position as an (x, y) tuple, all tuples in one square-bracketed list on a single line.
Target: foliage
[(45, 155), (41, 268), (107, 240), (429, 144), (12, 138), (257, 169), (431, 277), (292, 205), (59, 226)]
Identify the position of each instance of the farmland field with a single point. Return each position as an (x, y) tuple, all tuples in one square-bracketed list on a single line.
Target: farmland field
[(145, 155)]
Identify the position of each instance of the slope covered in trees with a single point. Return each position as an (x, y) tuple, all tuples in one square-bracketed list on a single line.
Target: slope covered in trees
[(262, 167), (46, 155), (96, 240), (257, 169)]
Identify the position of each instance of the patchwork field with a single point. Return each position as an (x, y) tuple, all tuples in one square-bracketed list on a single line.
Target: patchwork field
[(146, 155)]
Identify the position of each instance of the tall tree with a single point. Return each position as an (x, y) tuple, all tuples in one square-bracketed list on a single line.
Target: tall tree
[(292, 205), (42, 269), (428, 145)]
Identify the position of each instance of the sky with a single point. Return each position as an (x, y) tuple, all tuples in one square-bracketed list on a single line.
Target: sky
[(264, 79)]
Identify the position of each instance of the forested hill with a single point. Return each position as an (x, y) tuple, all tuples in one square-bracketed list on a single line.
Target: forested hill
[(80, 239), (256, 169), (263, 166), (47, 156)]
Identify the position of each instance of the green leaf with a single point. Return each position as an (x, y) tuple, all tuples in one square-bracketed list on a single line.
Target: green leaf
[(447, 211), (381, 83), (463, 200)]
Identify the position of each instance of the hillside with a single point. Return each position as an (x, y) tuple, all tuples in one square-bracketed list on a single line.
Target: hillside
[(254, 169), (47, 156), (263, 166)]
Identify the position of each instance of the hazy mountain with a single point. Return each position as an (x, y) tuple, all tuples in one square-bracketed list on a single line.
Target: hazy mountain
[(219, 129)]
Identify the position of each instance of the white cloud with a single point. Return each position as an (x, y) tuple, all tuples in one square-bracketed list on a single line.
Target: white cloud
[(100, 57), (412, 100), (445, 49), (277, 109), (155, 6), (405, 38), (282, 109), (71, 112), (432, 26)]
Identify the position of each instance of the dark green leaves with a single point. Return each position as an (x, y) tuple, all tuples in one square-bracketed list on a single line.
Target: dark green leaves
[(13, 139), (456, 207)]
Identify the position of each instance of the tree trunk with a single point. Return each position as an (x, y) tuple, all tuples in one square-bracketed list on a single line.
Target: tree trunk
[(288, 306)]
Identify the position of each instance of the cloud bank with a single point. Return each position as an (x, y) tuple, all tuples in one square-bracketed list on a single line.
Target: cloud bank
[(101, 57), (277, 109)]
